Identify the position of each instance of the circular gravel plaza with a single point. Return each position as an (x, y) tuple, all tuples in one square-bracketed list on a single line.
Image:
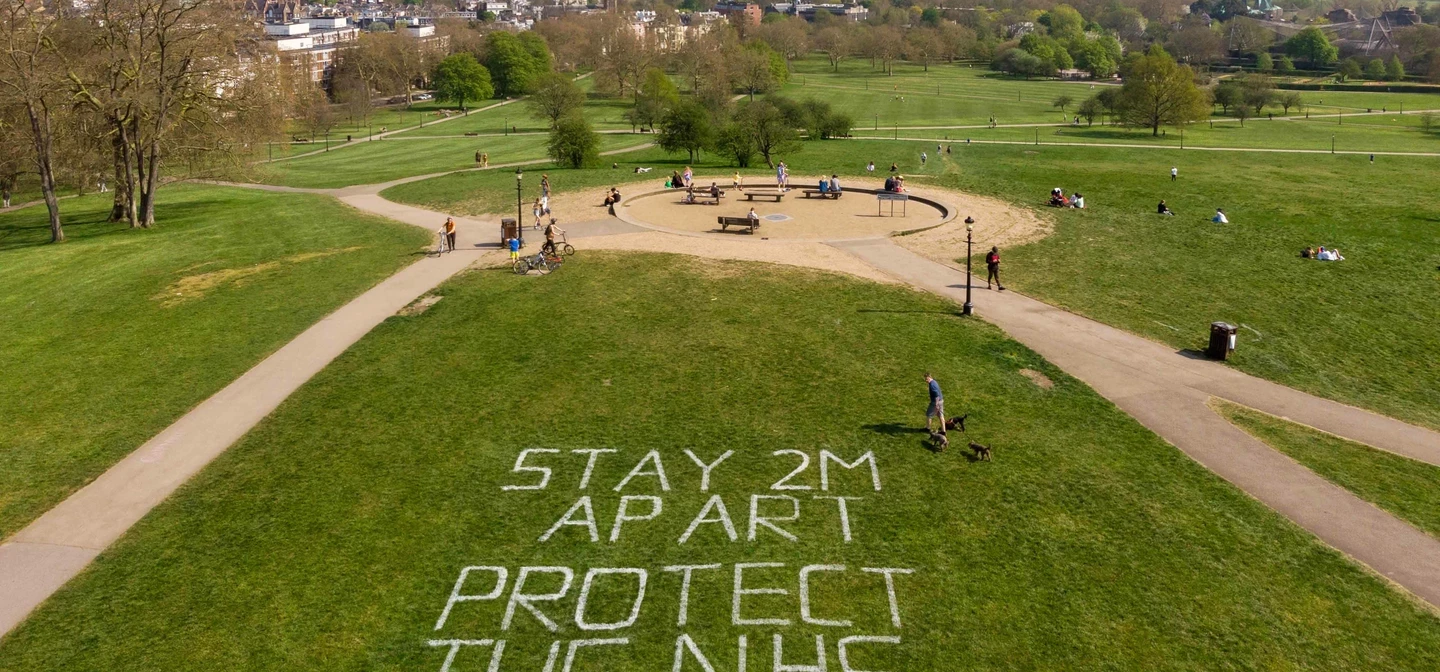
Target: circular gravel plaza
[(856, 214)]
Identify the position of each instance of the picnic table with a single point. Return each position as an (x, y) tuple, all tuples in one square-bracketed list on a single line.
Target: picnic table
[(893, 198), (727, 222)]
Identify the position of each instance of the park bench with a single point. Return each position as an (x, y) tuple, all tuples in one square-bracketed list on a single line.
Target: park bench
[(893, 198), (707, 199), (727, 222), (809, 193), (472, 134), (299, 140), (777, 195)]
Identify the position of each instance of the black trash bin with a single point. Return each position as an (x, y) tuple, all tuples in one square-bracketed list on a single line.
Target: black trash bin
[(1222, 340)]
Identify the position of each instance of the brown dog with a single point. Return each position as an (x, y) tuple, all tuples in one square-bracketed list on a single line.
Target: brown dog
[(981, 452)]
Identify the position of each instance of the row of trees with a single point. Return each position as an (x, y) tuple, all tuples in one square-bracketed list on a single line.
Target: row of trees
[(126, 91)]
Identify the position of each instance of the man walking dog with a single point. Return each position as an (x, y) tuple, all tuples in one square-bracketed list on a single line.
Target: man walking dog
[(937, 404)]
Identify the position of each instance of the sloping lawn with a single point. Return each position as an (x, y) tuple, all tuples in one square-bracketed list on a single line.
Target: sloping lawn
[(114, 334), (338, 533)]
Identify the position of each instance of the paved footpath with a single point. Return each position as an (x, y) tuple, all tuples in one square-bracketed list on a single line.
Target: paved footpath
[(1165, 390)]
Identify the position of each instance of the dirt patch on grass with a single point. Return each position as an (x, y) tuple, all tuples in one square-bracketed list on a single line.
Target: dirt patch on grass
[(1041, 380), (996, 223), (197, 286), (419, 305), (808, 255)]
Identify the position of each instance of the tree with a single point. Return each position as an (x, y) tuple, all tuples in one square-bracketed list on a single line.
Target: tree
[(1375, 69), (1098, 57), (788, 37), (958, 41), (1062, 102), (736, 142), (686, 128), (556, 96), (1427, 121), (1286, 66), (1089, 109), (1158, 92), (1245, 34), (1048, 50), (1242, 112), (1196, 43), (752, 72), (1313, 45), (460, 78), (923, 46), (1263, 62), (1290, 99), (1228, 94), (1257, 91), (32, 80), (770, 133), (513, 63), (313, 110), (1349, 69), (1064, 23), (834, 42), (1394, 69), (573, 143)]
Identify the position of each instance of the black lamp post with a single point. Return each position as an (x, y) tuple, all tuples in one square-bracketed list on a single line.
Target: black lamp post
[(519, 218), (969, 307)]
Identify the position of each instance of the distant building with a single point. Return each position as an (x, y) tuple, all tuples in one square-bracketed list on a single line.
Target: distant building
[(1341, 15), (847, 12), (1399, 18), (312, 45), (747, 13)]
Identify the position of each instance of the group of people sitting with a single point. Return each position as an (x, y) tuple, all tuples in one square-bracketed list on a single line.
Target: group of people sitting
[(678, 180), (1058, 199), (895, 184), (714, 193), (1322, 254), (830, 186)]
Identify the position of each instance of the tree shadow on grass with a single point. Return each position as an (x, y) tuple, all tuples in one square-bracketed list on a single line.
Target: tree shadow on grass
[(893, 428)]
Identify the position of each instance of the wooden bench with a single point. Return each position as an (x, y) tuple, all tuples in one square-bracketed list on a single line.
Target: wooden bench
[(727, 222), (809, 193), (777, 195), (704, 199), (893, 198)]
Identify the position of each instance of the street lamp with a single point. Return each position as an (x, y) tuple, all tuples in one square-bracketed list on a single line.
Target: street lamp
[(519, 218), (969, 307)]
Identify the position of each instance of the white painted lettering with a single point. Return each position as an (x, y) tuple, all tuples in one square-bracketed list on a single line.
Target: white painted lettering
[(588, 522), (845, 642), (683, 643), (622, 516), (501, 575), (826, 457), (780, 665), (576, 645), (722, 517), (640, 576), (804, 464), (518, 596), (766, 521), (685, 572), (592, 453), (740, 590), (805, 595), (840, 502), (890, 573), (705, 469), (520, 467), (639, 470)]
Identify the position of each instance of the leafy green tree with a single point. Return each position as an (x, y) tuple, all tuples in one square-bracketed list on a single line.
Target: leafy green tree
[(1090, 108), (459, 77), (1263, 62), (1228, 94), (556, 96), (1062, 102), (1313, 45), (1290, 99), (1286, 65), (514, 63), (686, 128), (753, 72), (1242, 112), (1021, 62), (1257, 91), (735, 142), (1375, 69), (1394, 69), (1158, 92), (1349, 69), (1048, 50), (573, 143), (1064, 23), (770, 132), (930, 16), (1098, 57)]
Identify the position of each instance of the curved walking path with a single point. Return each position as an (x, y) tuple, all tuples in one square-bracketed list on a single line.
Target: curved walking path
[(1164, 390)]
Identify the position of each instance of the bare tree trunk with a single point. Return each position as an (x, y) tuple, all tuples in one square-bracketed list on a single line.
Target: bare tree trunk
[(118, 207), (44, 141), (152, 181)]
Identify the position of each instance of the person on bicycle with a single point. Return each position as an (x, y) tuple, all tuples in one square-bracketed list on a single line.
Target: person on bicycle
[(550, 232)]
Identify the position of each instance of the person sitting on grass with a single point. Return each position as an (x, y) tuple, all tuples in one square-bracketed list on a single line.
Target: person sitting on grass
[(1164, 209), (1220, 217), (1078, 201), (870, 167), (894, 168)]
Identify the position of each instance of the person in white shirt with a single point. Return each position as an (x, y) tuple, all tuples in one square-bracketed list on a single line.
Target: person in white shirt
[(1220, 217), (1174, 173), (1078, 201)]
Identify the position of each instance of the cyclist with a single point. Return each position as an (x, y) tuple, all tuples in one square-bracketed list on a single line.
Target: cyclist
[(550, 232)]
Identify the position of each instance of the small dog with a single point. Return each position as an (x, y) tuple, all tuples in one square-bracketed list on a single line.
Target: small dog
[(939, 441), (956, 423), (981, 452)]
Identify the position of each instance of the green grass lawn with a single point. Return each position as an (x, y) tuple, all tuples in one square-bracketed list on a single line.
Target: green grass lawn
[(388, 117), (1408, 488), (114, 334), (603, 113), (332, 535), (384, 160)]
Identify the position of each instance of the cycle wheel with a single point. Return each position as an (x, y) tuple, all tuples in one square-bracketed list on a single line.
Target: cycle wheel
[(521, 266), (541, 265), (568, 249)]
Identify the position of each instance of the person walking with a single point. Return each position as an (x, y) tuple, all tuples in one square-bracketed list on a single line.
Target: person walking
[(545, 186), (923, 158), (550, 232), (450, 233), (937, 404), (992, 265), (479, 158), (1174, 173)]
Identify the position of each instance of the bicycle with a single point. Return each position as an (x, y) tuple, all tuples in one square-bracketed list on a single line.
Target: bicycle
[(441, 247), (538, 261)]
